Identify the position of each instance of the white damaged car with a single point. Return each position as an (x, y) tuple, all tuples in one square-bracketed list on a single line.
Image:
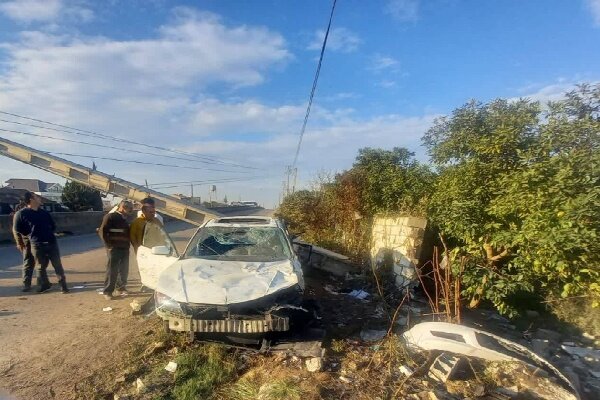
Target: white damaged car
[(238, 277)]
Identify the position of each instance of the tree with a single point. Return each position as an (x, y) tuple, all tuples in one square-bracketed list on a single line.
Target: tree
[(392, 181), (517, 194), (225, 199), (79, 197)]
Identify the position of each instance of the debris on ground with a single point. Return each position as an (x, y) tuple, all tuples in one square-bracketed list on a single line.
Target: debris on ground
[(106, 309), (314, 364), (358, 294), (171, 366)]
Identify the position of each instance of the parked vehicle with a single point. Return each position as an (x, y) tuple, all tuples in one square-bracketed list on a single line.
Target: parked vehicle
[(238, 277)]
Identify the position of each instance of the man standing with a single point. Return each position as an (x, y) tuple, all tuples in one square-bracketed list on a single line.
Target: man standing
[(37, 224), (114, 232), (24, 246), (148, 216)]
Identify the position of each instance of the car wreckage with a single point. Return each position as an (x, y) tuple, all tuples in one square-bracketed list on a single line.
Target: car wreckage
[(238, 278)]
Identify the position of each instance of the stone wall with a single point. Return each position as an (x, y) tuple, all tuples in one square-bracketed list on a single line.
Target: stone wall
[(68, 222), (398, 240)]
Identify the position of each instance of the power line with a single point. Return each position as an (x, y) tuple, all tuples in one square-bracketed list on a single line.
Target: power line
[(103, 146), (141, 162), (82, 132), (207, 182), (314, 86)]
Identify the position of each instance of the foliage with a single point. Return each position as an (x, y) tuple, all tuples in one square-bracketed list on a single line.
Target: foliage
[(519, 194), (338, 213), (80, 197), (201, 370)]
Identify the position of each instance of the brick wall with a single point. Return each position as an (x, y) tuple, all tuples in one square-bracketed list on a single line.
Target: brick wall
[(398, 239)]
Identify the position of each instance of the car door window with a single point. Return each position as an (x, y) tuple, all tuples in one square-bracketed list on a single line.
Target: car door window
[(155, 235)]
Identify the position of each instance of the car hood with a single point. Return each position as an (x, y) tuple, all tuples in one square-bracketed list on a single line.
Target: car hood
[(216, 282)]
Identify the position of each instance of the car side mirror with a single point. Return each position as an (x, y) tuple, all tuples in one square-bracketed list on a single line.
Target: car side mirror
[(161, 250)]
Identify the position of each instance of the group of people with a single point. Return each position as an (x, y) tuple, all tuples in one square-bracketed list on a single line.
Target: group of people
[(34, 232)]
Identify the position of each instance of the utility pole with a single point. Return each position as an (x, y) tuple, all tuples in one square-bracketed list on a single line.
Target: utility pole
[(192, 192)]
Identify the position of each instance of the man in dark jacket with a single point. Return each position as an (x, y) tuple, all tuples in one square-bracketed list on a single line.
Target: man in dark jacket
[(24, 246), (38, 226), (114, 232)]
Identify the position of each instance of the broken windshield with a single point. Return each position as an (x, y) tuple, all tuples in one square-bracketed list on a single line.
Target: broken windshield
[(239, 244)]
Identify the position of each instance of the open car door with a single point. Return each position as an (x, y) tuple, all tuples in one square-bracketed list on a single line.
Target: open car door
[(156, 253)]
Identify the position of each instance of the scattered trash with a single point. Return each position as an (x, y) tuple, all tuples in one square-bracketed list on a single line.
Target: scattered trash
[(140, 386), (171, 366), (406, 370), (471, 342), (78, 287), (358, 294), (345, 380), (449, 367), (314, 364), (372, 335), (107, 309), (136, 307)]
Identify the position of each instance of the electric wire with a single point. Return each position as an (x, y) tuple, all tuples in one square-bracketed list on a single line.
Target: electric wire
[(81, 132), (314, 86), (107, 147), (140, 162), (207, 182)]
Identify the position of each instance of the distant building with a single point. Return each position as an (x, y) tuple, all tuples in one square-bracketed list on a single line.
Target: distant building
[(50, 191)]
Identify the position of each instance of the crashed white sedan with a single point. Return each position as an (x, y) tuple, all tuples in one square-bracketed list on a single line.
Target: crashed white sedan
[(238, 275)]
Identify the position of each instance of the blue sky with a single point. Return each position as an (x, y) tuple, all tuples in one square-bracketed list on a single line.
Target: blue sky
[(230, 79)]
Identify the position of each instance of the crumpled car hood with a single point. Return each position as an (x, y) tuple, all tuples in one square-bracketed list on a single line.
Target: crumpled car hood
[(224, 282)]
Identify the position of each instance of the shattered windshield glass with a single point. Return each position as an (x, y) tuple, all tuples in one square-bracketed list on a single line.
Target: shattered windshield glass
[(239, 244)]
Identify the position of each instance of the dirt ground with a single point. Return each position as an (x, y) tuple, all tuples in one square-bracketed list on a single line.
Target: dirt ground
[(50, 342)]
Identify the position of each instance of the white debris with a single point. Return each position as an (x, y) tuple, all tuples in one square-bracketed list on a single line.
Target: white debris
[(135, 306), (140, 386), (358, 294), (314, 364), (406, 370), (171, 366), (107, 309), (345, 380)]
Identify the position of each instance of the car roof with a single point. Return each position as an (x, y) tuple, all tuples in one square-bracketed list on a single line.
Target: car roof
[(247, 220)]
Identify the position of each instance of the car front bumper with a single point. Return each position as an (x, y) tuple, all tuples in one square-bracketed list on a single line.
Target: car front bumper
[(270, 323)]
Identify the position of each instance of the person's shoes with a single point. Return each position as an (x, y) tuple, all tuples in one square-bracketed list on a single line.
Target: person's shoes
[(122, 292), (44, 288), (26, 288), (65, 290), (108, 296)]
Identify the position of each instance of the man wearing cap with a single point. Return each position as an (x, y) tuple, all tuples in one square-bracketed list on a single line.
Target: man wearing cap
[(114, 232)]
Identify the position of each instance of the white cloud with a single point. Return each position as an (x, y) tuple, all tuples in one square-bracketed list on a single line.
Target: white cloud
[(403, 10), (548, 92), (340, 39), (387, 84), (594, 7), (28, 11), (380, 62), (158, 90)]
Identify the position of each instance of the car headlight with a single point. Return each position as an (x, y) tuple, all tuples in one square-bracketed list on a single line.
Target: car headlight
[(166, 303)]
